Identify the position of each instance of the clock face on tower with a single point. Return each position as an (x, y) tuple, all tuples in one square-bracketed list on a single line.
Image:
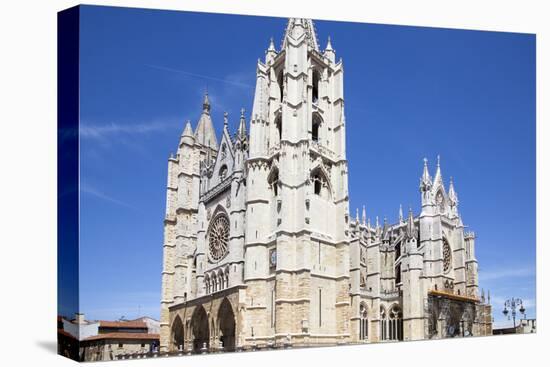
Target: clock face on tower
[(218, 237)]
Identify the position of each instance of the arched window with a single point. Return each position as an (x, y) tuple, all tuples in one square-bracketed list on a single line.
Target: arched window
[(315, 86), (223, 172), (398, 273), (395, 324), (207, 283), (383, 323), (320, 183), (279, 127), (397, 250), (363, 323), (315, 125), (222, 280), (273, 181), (280, 82)]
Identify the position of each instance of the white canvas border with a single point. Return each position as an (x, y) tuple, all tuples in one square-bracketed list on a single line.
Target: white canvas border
[(28, 161)]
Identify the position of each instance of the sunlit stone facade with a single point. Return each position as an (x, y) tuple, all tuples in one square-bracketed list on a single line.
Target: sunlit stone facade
[(260, 249)]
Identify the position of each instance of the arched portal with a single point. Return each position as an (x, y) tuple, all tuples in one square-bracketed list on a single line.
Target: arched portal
[(177, 335), (226, 323), (201, 333)]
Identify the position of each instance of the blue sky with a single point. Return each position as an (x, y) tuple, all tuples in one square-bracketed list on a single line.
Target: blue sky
[(410, 93)]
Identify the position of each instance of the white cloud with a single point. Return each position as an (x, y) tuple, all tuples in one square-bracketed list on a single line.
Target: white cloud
[(103, 131), (235, 79), (506, 273), (87, 189)]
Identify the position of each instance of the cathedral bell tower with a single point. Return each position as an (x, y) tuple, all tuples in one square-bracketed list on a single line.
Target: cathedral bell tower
[(297, 200)]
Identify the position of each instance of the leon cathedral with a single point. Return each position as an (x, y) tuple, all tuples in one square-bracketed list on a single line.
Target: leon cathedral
[(260, 249)]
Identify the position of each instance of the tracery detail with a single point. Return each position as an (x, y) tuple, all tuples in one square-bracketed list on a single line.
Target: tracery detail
[(218, 237)]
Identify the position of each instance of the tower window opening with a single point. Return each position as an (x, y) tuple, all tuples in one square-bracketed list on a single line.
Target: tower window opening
[(363, 326), (398, 250), (318, 186), (398, 274), (315, 87), (223, 172), (280, 81), (315, 130), (274, 182), (279, 126)]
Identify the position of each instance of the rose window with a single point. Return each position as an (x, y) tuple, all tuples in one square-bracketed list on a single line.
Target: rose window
[(218, 237)]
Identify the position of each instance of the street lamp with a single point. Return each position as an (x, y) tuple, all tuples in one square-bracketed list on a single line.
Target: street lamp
[(512, 304)]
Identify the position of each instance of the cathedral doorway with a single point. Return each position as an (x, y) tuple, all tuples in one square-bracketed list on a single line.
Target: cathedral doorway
[(177, 335), (201, 333), (226, 322)]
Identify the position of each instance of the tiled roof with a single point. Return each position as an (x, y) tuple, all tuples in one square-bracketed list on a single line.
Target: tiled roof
[(122, 336), (123, 324), (65, 333)]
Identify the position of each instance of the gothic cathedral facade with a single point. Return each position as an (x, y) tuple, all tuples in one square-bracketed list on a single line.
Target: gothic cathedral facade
[(259, 246)]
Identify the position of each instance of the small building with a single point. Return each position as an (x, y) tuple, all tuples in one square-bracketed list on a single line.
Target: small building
[(67, 344), (526, 326), (120, 339), (105, 340), (119, 345)]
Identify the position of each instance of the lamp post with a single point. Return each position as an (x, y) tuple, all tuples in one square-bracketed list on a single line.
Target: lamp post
[(512, 304)]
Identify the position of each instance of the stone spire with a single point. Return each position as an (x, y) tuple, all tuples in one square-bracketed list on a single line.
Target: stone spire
[(188, 131), (329, 51), (271, 47), (364, 216), (187, 135), (270, 53), (299, 26), (410, 225), (438, 179), (206, 103), (452, 193), (400, 213), (425, 180), (205, 134), (385, 233), (241, 131), (357, 216), (225, 120)]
